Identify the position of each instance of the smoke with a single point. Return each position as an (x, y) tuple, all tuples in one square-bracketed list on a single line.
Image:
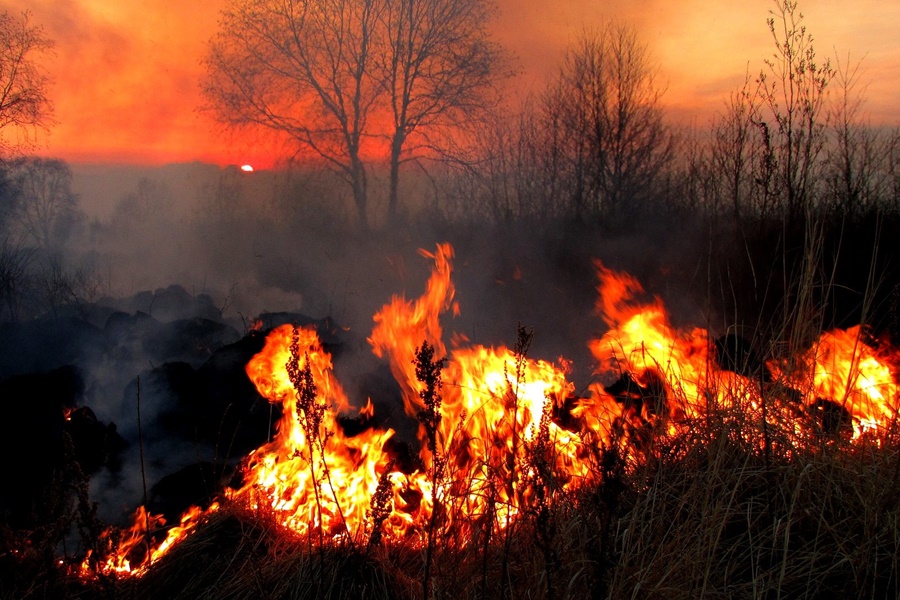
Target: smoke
[(185, 259), (273, 241)]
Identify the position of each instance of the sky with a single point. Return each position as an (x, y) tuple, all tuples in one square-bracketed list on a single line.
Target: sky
[(126, 73)]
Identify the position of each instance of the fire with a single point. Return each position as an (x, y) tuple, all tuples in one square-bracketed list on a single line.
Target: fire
[(642, 344), (678, 380), (841, 368), (492, 407), (498, 429), (137, 545), (492, 416), (401, 326), (311, 475)]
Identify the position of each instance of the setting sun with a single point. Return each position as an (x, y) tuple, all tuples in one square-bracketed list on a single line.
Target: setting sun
[(247, 168)]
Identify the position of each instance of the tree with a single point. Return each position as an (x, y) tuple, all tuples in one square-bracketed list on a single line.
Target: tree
[(606, 103), (302, 68), (24, 104), (438, 68), (151, 202), (792, 88), (856, 177), (738, 156), (520, 171), (47, 207), (341, 77)]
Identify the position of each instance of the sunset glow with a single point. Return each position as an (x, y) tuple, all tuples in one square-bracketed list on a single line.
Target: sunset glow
[(126, 76)]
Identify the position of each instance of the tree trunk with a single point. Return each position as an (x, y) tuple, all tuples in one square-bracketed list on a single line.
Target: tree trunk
[(396, 150), (360, 192)]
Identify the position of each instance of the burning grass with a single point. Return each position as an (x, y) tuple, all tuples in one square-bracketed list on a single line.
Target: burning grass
[(703, 514), (672, 477)]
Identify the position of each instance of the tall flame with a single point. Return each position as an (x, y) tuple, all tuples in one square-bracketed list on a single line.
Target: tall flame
[(502, 420), (402, 325), (311, 475)]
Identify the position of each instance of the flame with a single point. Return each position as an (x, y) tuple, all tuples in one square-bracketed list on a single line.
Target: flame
[(136, 544), (671, 368), (492, 406), (842, 368), (492, 414), (496, 423), (402, 325), (311, 475), (679, 380)]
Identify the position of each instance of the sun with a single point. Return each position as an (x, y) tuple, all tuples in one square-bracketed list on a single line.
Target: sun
[(247, 168)]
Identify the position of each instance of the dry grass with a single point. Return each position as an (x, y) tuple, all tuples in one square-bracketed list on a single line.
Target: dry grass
[(722, 523), (702, 515), (736, 505)]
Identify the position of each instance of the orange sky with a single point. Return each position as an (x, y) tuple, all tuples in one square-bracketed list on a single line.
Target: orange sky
[(126, 72)]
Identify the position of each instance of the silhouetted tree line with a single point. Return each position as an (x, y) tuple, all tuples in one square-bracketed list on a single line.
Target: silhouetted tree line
[(594, 146), (39, 214)]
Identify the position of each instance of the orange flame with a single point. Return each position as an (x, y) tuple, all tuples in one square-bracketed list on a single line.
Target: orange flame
[(842, 368), (311, 475), (501, 415), (401, 326), (134, 543)]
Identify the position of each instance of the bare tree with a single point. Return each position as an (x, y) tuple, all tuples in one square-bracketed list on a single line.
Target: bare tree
[(345, 78), (518, 171), (855, 159), (9, 198), (593, 144), (792, 88), (151, 202), (24, 105), (892, 158), (606, 101), (438, 68), (15, 261), (735, 154), (47, 207), (302, 68)]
